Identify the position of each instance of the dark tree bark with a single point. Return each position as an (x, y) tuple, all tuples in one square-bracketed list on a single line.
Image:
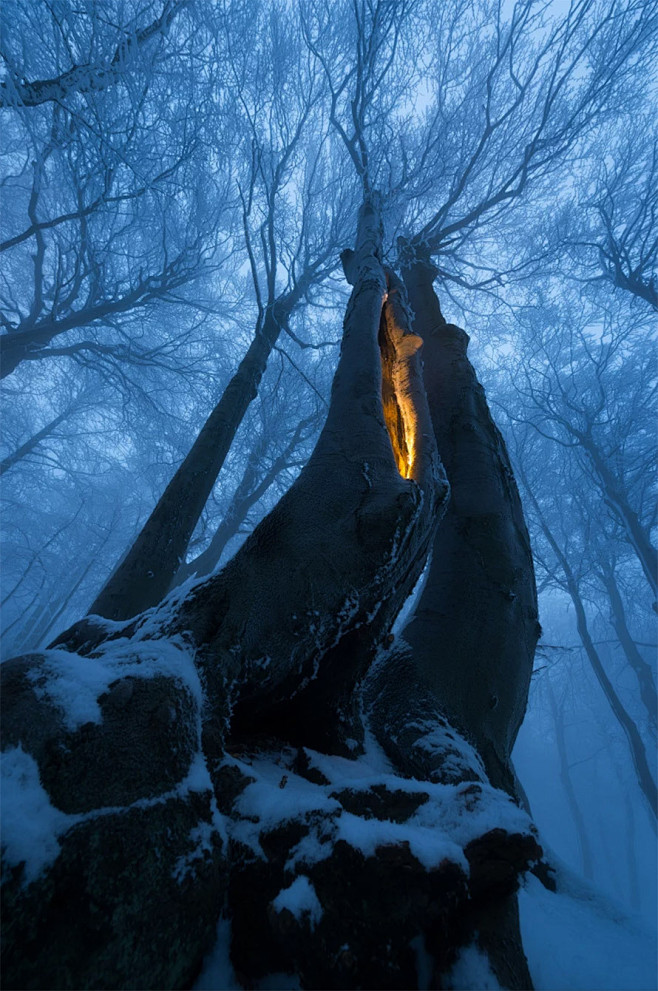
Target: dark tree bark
[(212, 700), (251, 488), (145, 574), (29, 445), (30, 339), (616, 498)]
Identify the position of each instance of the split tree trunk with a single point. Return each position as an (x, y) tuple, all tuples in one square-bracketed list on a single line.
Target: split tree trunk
[(132, 792), (149, 774), (475, 628), (465, 658)]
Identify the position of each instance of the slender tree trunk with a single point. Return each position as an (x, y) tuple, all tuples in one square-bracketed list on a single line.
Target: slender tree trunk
[(250, 489), (636, 534), (567, 784), (146, 573), (642, 670), (32, 442)]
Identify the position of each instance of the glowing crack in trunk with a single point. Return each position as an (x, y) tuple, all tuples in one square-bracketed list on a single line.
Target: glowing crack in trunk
[(397, 347)]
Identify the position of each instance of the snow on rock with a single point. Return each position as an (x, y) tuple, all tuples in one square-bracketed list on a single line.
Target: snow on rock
[(30, 824), (75, 683), (580, 942), (357, 803), (430, 846), (300, 900)]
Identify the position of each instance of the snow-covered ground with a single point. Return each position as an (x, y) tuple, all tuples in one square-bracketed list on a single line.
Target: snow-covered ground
[(578, 943)]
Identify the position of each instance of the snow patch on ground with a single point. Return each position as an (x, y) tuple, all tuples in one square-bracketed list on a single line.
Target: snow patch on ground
[(30, 824), (584, 944), (472, 971), (300, 900)]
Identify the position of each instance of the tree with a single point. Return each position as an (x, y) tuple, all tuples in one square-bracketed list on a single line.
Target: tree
[(613, 229), (89, 170), (344, 795), (371, 533)]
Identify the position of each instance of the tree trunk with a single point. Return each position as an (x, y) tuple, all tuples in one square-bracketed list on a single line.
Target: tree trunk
[(32, 442), (250, 489), (475, 628), (636, 534), (146, 572), (635, 743), (642, 670), (171, 753)]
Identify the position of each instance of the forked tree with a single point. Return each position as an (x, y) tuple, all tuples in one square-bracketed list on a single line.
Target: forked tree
[(260, 746)]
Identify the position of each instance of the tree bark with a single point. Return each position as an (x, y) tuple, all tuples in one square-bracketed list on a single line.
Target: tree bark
[(32, 442), (335, 560), (250, 489), (82, 78), (145, 574), (637, 535)]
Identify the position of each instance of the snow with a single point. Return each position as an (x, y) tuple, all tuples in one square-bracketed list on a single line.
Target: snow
[(201, 837), (439, 829), (427, 843), (472, 972), (300, 900), (75, 683), (575, 942), (30, 824), (217, 972)]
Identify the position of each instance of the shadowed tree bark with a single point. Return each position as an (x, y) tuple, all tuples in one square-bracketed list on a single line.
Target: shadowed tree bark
[(195, 718)]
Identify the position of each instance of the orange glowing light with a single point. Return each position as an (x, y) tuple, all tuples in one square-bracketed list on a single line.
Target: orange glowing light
[(399, 412)]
